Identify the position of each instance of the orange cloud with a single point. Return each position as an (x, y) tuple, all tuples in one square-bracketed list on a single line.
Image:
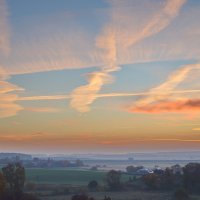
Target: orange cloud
[(179, 106), (160, 99), (8, 107), (196, 129), (44, 109), (164, 90)]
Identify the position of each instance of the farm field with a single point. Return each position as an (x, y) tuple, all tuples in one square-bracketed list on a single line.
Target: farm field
[(69, 176), (64, 176)]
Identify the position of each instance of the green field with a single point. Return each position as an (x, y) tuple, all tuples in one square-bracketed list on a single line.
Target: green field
[(66, 176)]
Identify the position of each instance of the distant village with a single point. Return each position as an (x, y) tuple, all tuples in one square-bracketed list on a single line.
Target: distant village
[(43, 161), (29, 161)]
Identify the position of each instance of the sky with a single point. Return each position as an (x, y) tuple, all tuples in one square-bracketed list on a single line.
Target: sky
[(99, 76)]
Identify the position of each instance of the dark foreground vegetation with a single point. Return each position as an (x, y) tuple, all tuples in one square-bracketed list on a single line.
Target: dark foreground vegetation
[(175, 183)]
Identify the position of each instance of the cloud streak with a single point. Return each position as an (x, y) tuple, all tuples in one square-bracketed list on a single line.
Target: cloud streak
[(159, 22), (47, 45), (83, 96), (171, 139), (105, 95), (4, 28), (8, 106), (157, 100), (181, 106), (43, 110), (108, 41)]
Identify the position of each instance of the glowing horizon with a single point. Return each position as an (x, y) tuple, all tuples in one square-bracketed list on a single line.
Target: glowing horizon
[(100, 76)]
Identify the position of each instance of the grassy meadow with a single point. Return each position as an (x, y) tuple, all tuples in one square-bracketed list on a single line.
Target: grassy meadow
[(64, 176), (70, 176)]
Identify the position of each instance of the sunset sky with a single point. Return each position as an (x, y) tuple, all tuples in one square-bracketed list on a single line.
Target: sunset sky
[(89, 76)]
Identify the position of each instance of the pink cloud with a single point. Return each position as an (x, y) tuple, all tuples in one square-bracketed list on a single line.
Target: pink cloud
[(176, 106)]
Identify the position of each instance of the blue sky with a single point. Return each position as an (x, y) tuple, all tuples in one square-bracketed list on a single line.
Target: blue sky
[(113, 74)]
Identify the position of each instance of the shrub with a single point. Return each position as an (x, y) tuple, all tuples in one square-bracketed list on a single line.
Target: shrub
[(2, 184), (151, 180), (113, 179), (92, 185), (181, 194), (192, 176)]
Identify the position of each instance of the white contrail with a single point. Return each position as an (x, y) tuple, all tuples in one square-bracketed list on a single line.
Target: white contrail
[(62, 97)]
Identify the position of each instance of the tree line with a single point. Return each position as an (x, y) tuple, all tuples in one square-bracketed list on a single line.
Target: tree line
[(13, 177)]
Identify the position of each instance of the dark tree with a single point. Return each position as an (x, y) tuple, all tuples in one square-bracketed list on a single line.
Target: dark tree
[(15, 177), (92, 185), (191, 176), (168, 179), (181, 194), (151, 180), (113, 179), (2, 185)]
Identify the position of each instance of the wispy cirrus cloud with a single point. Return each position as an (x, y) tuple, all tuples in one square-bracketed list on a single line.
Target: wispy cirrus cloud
[(109, 41), (47, 45), (8, 105), (43, 109), (158, 22), (83, 96), (159, 101), (116, 37), (178, 106), (4, 28)]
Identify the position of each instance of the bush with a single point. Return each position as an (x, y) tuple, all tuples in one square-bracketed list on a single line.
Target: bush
[(192, 176), (2, 184), (113, 179), (181, 194), (92, 185), (151, 180)]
